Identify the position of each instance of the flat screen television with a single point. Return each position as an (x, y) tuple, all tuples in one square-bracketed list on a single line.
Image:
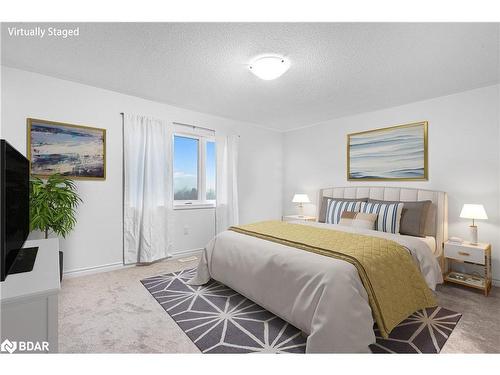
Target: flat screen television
[(14, 210)]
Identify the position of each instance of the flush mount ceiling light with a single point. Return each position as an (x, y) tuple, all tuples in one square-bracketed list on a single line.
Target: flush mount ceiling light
[(269, 67)]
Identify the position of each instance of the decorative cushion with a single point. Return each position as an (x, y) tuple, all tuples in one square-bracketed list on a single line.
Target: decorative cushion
[(389, 215), (358, 219), (324, 205), (335, 208), (413, 217)]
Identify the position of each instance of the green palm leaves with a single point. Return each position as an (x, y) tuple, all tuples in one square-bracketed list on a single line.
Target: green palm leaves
[(52, 205)]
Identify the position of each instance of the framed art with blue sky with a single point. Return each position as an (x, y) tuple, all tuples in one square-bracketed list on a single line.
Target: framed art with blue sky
[(397, 153)]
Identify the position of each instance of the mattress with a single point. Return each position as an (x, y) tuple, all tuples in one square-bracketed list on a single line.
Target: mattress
[(430, 242)]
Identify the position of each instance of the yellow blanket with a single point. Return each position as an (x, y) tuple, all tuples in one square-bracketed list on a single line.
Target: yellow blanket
[(395, 286)]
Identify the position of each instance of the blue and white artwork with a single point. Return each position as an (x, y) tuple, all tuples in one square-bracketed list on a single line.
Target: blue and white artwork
[(70, 150), (398, 152)]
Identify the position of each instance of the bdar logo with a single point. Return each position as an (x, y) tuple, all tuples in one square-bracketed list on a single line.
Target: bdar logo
[(8, 346)]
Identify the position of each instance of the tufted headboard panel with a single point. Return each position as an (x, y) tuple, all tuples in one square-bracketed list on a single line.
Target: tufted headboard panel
[(437, 220)]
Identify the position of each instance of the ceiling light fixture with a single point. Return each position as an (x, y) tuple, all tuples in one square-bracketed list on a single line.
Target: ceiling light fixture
[(269, 67)]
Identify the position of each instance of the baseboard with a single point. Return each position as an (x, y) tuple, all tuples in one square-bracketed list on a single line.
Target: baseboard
[(495, 282), (96, 269), (186, 253), (119, 265)]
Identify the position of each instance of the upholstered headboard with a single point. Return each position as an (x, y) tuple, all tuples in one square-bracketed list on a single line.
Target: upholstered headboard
[(437, 220)]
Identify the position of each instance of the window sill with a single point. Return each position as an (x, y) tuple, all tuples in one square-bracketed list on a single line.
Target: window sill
[(194, 206)]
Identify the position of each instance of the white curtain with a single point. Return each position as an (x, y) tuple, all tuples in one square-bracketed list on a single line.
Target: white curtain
[(227, 182), (147, 189)]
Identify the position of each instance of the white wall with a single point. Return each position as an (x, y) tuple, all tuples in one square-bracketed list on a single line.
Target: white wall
[(463, 156), (97, 238)]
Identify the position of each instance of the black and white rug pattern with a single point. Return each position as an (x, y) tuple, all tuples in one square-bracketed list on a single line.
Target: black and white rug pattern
[(219, 320)]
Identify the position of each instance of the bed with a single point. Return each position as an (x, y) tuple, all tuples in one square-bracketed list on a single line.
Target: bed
[(322, 296)]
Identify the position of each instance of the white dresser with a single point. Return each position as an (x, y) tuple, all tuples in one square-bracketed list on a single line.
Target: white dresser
[(29, 302)]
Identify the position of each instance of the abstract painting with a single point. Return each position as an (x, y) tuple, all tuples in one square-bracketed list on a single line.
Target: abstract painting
[(394, 153), (75, 151)]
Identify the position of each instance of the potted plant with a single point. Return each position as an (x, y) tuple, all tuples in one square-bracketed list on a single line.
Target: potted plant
[(52, 207)]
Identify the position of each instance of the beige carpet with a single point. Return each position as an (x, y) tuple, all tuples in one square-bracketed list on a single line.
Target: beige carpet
[(113, 313)]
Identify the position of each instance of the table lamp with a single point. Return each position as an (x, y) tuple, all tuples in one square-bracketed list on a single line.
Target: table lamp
[(301, 199), (473, 211)]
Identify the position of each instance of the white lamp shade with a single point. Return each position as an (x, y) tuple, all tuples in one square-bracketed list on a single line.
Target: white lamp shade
[(300, 198), (473, 211)]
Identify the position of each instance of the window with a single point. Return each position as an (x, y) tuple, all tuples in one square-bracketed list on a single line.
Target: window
[(194, 162), (185, 168)]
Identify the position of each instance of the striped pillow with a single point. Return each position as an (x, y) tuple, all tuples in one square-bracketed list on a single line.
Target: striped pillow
[(335, 208), (389, 215)]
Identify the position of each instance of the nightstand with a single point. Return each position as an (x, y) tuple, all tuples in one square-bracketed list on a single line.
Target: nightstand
[(465, 252), (298, 217)]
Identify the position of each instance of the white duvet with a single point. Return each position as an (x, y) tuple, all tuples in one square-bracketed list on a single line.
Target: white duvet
[(322, 296)]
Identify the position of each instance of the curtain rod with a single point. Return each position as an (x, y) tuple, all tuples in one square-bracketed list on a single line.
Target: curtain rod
[(194, 126), (191, 126)]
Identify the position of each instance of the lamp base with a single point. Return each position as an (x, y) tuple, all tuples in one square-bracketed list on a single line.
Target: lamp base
[(473, 234)]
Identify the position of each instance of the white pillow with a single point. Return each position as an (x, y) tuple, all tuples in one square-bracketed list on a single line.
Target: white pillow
[(358, 220)]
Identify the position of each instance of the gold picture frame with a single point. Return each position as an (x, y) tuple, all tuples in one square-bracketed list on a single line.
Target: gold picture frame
[(368, 172), (50, 130)]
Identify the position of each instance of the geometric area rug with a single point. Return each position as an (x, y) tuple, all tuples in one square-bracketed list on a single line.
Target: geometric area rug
[(220, 320)]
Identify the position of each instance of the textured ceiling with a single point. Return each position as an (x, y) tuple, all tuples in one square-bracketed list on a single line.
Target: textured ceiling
[(337, 69)]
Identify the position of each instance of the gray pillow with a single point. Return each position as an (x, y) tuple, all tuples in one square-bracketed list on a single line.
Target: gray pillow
[(413, 217), (324, 204)]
